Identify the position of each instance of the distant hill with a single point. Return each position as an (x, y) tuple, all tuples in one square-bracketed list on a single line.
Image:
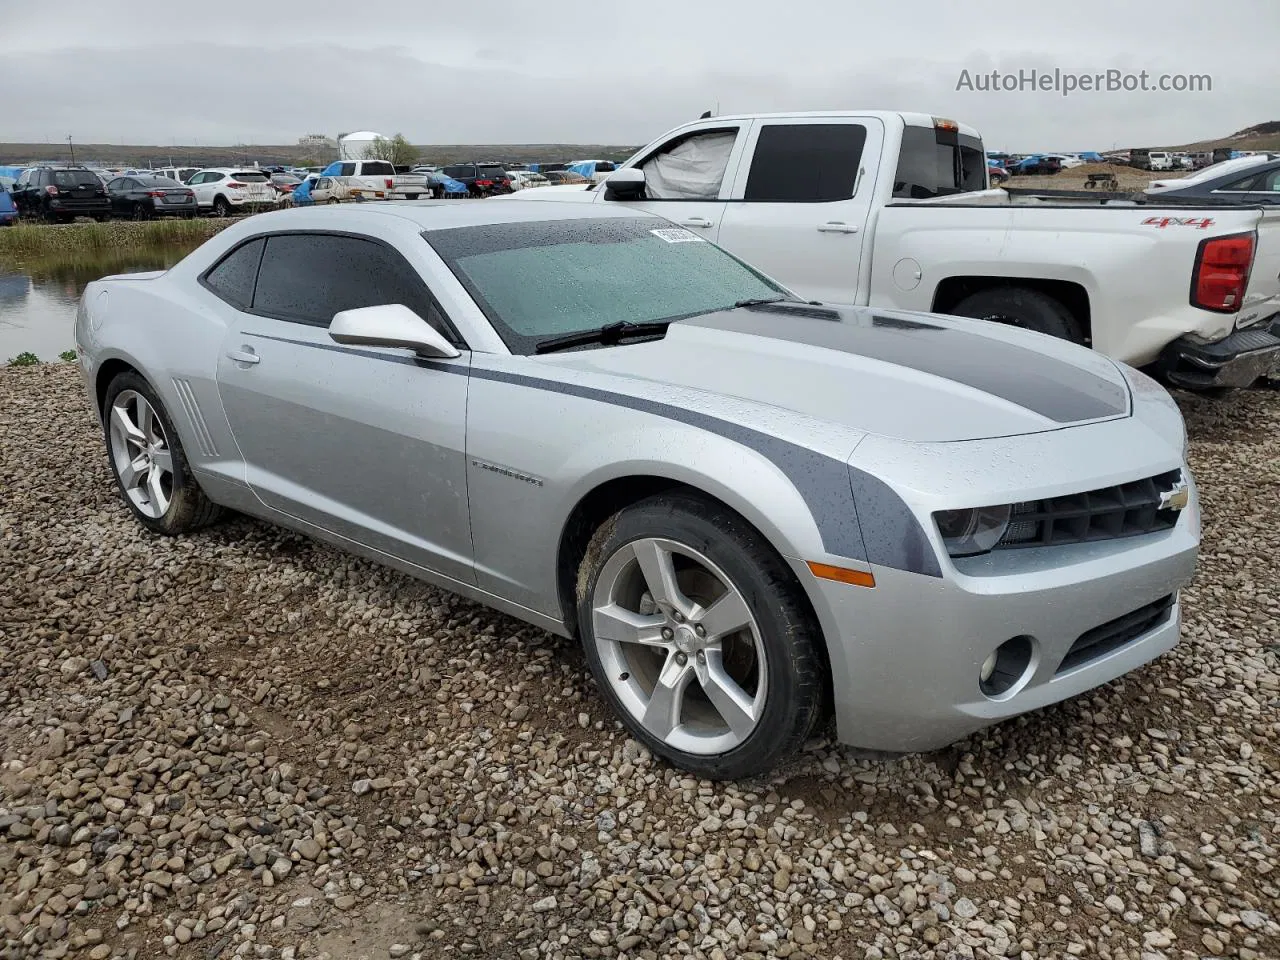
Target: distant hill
[(1261, 136), (120, 155)]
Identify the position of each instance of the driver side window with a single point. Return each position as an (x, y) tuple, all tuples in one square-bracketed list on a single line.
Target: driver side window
[(691, 167)]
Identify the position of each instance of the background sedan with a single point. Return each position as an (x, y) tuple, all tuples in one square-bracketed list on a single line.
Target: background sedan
[(143, 198)]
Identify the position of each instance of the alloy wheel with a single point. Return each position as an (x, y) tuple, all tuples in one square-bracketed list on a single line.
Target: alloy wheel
[(679, 646), (140, 453)]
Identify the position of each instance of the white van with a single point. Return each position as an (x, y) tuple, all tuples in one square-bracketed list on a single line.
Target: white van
[(1161, 160)]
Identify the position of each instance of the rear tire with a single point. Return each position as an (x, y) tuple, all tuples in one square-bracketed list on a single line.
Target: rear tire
[(741, 689), (333, 200), (221, 208), (1021, 307), (146, 456), (138, 212)]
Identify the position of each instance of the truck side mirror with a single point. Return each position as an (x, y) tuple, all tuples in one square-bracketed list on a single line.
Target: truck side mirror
[(626, 184)]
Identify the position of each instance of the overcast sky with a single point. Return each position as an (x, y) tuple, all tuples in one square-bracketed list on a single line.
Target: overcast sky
[(619, 72)]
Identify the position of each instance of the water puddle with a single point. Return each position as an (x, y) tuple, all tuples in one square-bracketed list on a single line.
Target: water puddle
[(38, 300)]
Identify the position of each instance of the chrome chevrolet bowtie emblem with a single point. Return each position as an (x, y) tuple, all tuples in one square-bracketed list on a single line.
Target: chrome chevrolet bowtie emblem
[(1177, 498)]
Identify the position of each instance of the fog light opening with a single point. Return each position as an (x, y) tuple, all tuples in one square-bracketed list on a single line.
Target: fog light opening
[(1005, 668)]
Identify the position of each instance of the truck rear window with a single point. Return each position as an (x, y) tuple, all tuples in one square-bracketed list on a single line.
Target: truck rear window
[(377, 168), (937, 163)]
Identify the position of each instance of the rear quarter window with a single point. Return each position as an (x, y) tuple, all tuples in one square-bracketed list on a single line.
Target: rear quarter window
[(233, 277)]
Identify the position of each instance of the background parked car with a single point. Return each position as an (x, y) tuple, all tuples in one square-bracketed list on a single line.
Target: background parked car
[(8, 212), (60, 194), (1037, 164), (997, 173), (224, 190), (143, 198), (560, 177), (524, 179), (284, 183), (181, 174), (482, 179), (323, 189), (1249, 180), (445, 187)]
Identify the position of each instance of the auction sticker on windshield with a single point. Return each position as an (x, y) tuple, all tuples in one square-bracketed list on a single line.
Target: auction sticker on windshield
[(677, 235)]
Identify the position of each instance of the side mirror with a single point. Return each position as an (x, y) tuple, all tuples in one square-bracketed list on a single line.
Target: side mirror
[(627, 184), (390, 325)]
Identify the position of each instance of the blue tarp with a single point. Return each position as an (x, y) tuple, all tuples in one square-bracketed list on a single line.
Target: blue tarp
[(302, 192), (14, 172)]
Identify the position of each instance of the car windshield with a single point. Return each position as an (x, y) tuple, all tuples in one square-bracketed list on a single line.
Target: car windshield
[(546, 279)]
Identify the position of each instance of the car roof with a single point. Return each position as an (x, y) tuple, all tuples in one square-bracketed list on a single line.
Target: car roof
[(447, 214)]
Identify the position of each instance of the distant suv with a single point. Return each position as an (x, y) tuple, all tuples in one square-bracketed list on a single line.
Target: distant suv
[(60, 194), (224, 189), (482, 179)]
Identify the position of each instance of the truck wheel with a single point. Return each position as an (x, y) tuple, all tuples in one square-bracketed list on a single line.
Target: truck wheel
[(1020, 307), (699, 638)]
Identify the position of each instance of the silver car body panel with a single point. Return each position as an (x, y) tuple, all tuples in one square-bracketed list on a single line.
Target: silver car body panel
[(836, 436)]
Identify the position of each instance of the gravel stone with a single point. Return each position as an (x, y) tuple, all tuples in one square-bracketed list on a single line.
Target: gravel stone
[(290, 753)]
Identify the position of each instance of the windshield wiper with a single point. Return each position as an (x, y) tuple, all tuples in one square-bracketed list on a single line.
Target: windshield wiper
[(758, 301), (609, 334)]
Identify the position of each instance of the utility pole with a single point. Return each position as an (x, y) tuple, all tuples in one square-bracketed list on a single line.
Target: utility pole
[(73, 150)]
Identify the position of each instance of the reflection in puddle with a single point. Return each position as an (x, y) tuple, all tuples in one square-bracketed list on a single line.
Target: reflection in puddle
[(38, 301)]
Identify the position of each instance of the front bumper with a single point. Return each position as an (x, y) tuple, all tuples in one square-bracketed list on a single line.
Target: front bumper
[(906, 654), (1236, 360)]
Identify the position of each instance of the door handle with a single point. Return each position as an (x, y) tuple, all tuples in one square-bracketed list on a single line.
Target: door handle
[(837, 226), (244, 355), (702, 222)]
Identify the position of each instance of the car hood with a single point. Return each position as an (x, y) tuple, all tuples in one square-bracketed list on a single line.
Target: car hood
[(910, 376)]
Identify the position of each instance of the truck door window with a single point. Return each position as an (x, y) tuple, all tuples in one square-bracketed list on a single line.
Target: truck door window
[(690, 167), (805, 163)]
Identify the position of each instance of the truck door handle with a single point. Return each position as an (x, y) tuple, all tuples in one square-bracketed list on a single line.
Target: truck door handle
[(698, 222), (244, 355), (837, 226)]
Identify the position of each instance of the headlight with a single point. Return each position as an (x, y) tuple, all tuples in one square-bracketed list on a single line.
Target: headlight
[(966, 532)]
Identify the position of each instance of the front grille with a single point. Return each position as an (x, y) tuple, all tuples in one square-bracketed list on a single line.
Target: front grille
[(1126, 510), (1115, 634)]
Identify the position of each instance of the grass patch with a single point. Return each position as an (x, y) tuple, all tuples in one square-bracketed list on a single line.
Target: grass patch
[(25, 359), (23, 243)]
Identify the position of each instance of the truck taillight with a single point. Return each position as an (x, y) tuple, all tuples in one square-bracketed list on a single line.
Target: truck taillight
[(1221, 272), (388, 182)]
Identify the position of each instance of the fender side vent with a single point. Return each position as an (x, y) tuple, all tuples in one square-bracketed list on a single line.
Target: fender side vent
[(199, 429)]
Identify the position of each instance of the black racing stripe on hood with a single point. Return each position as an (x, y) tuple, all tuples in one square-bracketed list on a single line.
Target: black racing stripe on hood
[(1042, 384)]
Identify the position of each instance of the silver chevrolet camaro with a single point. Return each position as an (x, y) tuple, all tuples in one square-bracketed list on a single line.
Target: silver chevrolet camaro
[(753, 510)]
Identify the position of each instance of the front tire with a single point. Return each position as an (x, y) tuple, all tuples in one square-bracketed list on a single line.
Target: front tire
[(699, 637), (148, 461), (1021, 307)]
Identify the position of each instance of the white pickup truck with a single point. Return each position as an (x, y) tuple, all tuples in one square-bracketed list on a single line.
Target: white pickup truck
[(893, 209), (378, 180)]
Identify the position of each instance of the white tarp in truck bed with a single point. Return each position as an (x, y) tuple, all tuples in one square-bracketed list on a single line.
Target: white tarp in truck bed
[(692, 170)]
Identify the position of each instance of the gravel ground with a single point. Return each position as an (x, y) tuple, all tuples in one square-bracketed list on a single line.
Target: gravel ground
[(245, 744)]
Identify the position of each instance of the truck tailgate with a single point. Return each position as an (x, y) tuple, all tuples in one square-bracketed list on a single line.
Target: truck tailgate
[(1262, 296)]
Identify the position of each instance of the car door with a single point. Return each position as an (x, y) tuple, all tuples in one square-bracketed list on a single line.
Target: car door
[(688, 177), (367, 443), (801, 201)]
